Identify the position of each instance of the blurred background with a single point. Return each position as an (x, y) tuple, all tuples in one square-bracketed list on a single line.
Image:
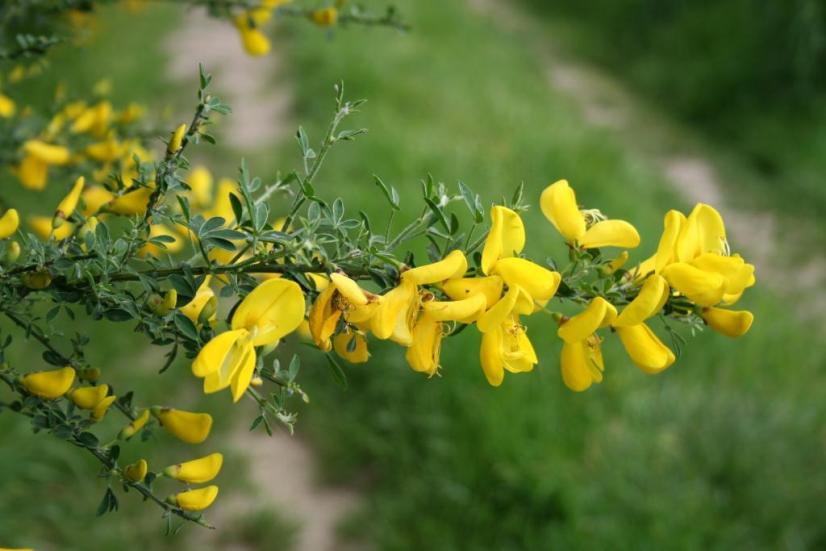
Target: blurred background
[(643, 106)]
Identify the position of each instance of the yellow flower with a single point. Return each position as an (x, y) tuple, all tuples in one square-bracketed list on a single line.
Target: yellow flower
[(465, 310), (396, 314), (423, 353), (645, 349), (42, 227), (737, 274), (133, 112), (109, 150), (451, 266), (99, 411), (136, 472), (196, 471), (38, 156), (94, 197), (132, 202), (192, 428), (135, 426), (506, 348), (89, 397), (200, 187), (67, 206), (341, 298), (506, 237), (254, 41), (49, 384), (325, 17), (651, 298), (581, 362), (355, 340), (7, 107), (195, 500), (203, 306), (731, 323), (702, 232), (271, 311), (699, 286), (539, 283), (558, 203), (176, 140), (462, 288), (223, 205), (9, 223)]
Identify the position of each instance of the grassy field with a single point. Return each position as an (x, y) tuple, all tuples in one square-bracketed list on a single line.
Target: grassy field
[(758, 93), (721, 451)]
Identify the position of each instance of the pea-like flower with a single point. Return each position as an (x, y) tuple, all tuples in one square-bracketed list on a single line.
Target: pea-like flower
[(271, 311), (194, 500), (9, 223), (581, 362), (88, 397), (187, 426), (49, 384), (67, 206), (196, 471), (135, 426), (136, 472), (559, 205)]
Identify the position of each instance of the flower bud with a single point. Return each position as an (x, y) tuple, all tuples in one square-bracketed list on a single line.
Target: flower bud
[(67, 206), (257, 381), (90, 374), (99, 412), (89, 397), (135, 426), (136, 472), (37, 280), (176, 140), (208, 311), (196, 471), (189, 427), (325, 17), (49, 384), (12, 252), (9, 223), (194, 500)]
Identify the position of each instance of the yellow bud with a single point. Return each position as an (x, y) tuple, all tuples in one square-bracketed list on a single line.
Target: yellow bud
[(136, 472), (196, 471), (50, 384), (69, 203), (257, 381), (176, 140), (90, 374), (9, 223), (7, 107), (325, 17), (209, 310), (99, 412), (135, 426), (89, 397), (170, 299), (192, 428), (194, 500)]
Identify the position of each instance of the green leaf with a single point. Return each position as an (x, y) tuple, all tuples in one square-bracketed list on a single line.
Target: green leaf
[(390, 193), (185, 326)]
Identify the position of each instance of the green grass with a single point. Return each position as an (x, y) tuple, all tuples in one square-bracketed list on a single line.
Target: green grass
[(756, 94), (718, 452)]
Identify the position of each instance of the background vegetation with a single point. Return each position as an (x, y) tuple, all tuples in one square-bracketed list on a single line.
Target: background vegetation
[(722, 451)]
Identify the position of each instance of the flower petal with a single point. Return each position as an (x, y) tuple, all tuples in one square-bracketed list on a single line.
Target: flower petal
[(423, 354), (461, 288), (701, 287), (667, 247), (584, 324), (465, 311), (505, 238), (650, 300), (540, 283), (731, 323), (645, 348), (610, 233), (490, 356), (274, 309), (451, 266), (558, 203)]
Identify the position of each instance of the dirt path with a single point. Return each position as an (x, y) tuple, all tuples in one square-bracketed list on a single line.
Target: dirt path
[(281, 468), (605, 103)]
